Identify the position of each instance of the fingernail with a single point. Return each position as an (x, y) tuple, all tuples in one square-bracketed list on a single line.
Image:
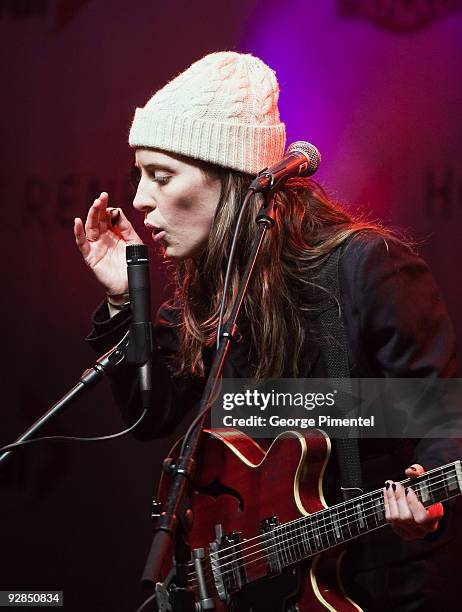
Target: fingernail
[(393, 486), (387, 485), (115, 215)]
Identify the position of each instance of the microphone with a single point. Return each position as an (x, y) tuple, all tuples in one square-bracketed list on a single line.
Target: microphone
[(301, 159), (140, 342)]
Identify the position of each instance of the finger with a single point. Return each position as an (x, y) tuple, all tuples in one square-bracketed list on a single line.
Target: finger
[(92, 224), (386, 504), (434, 514), (414, 470), (125, 228), (427, 518), (103, 217), (393, 510), (436, 511), (80, 237), (113, 216), (405, 514), (104, 197), (419, 512)]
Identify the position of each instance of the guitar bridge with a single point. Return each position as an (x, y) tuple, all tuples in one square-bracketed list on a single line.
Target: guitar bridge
[(227, 563)]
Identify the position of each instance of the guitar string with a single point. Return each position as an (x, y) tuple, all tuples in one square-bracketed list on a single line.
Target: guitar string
[(260, 565), (294, 535), (289, 528), (294, 531), (263, 561), (288, 560), (326, 512)]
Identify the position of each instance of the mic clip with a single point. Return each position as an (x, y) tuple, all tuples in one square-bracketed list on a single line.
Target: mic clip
[(262, 182), (140, 343)]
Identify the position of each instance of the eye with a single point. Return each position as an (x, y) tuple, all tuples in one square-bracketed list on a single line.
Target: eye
[(163, 180)]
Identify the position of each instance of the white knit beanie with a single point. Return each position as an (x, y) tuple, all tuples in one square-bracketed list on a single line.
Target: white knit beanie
[(223, 109)]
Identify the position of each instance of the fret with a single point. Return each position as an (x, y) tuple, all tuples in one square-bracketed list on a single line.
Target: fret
[(281, 546), (379, 513), (360, 512), (269, 532), (452, 481), (443, 485), (306, 530), (352, 518), (317, 533), (458, 470), (346, 521), (326, 528), (369, 512), (337, 525), (287, 546), (424, 491), (290, 537), (335, 521), (269, 545), (298, 539)]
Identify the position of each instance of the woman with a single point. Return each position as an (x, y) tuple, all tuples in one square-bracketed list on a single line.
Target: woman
[(198, 143)]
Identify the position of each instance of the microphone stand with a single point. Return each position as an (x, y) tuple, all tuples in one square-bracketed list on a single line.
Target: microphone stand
[(176, 520), (135, 347), (103, 366)]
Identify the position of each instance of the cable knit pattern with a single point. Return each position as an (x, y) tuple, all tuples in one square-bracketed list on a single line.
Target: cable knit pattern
[(223, 109)]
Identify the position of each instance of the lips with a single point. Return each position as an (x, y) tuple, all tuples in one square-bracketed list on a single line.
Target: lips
[(157, 232)]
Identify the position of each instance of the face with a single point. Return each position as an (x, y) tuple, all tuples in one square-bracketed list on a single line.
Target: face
[(178, 201)]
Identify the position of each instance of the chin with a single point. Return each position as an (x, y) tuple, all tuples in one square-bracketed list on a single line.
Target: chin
[(175, 254)]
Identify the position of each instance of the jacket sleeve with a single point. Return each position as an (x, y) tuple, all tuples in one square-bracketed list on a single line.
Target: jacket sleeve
[(398, 325), (172, 396)]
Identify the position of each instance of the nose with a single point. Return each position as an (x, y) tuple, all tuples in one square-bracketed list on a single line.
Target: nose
[(143, 200)]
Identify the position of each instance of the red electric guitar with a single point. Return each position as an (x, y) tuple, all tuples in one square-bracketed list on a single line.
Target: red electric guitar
[(261, 523)]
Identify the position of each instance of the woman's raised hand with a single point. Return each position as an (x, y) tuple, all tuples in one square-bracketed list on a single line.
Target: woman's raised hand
[(102, 242)]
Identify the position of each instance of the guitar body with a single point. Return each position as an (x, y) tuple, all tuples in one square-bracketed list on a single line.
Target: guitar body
[(239, 485)]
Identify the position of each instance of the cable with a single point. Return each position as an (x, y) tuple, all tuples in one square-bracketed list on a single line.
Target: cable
[(248, 195), (119, 434), (145, 603)]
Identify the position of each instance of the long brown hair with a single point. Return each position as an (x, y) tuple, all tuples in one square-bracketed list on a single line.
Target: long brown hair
[(308, 227)]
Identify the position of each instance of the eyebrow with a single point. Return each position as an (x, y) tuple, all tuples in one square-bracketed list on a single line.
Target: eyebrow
[(154, 167)]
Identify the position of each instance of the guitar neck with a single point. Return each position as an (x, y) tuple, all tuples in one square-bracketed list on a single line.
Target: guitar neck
[(310, 535)]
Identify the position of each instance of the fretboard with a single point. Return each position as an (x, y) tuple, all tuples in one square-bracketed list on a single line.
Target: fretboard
[(299, 539)]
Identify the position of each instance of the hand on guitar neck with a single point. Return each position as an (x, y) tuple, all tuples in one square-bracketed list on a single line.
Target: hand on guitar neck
[(407, 516)]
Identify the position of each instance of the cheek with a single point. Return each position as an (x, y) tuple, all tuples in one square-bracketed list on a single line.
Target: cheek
[(198, 211)]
